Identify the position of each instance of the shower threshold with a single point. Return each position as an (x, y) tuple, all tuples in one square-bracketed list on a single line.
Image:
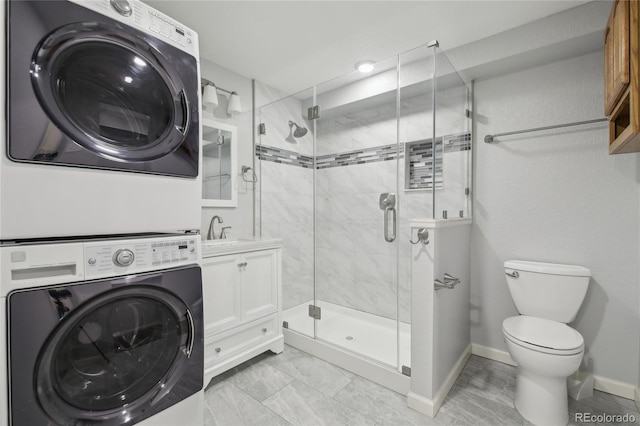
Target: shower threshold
[(371, 336)]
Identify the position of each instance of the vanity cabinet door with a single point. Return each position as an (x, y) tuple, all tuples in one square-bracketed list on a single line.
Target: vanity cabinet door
[(259, 284), (221, 290)]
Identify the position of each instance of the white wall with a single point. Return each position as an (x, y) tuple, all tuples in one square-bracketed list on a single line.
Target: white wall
[(557, 196), (240, 218)]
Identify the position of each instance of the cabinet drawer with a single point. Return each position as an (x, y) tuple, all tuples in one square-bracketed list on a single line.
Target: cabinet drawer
[(234, 341)]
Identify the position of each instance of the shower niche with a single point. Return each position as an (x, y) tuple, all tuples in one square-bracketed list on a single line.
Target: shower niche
[(348, 264)]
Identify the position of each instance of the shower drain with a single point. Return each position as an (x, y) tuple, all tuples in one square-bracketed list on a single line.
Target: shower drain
[(349, 337)]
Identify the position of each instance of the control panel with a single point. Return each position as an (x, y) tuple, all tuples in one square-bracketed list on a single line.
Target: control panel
[(110, 258), (147, 19)]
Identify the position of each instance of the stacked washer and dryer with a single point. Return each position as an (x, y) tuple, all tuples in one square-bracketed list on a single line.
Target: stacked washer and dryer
[(100, 284)]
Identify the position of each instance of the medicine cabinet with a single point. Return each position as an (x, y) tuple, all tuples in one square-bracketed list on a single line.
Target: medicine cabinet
[(219, 147)]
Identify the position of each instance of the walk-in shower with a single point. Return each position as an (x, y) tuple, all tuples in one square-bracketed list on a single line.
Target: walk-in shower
[(403, 131)]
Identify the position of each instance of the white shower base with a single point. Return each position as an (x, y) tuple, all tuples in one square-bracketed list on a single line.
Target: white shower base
[(370, 336)]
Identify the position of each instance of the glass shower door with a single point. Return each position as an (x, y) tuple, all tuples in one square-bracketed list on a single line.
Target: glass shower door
[(285, 169), (357, 213)]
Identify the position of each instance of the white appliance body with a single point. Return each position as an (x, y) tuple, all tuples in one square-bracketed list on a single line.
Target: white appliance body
[(84, 166), (67, 293)]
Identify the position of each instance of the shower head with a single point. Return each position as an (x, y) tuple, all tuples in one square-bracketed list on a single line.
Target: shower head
[(299, 131)]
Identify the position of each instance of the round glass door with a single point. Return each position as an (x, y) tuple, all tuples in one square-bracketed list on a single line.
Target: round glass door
[(112, 93), (110, 358)]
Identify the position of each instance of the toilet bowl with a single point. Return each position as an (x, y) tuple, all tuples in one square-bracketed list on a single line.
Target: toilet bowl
[(539, 340), (547, 352)]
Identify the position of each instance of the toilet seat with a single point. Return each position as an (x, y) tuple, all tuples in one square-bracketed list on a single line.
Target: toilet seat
[(543, 335)]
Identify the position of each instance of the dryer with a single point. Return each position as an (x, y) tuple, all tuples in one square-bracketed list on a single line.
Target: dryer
[(103, 120), (102, 332)]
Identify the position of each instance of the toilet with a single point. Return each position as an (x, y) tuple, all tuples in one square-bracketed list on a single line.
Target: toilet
[(546, 349)]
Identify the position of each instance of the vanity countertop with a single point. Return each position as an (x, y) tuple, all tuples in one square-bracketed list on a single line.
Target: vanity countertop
[(212, 248)]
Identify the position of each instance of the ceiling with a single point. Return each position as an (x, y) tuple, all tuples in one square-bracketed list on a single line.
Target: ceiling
[(292, 45)]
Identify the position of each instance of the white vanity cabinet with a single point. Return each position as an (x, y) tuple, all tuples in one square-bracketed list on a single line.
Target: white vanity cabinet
[(242, 304)]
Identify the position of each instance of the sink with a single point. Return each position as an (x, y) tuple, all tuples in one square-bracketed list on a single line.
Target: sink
[(226, 242)]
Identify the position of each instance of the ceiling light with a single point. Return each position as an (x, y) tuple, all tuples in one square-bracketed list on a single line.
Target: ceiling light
[(364, 66)]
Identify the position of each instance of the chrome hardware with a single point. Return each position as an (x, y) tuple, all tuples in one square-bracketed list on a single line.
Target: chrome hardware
[(264, 330), (123, 257), (262, 129), (444, 214), (211, 235), (285, 324), (449, 282), (192, 334), (122, 7), (406, 371), (315, 312), (423, 237), (513, 274), (461, 213), (251, 179), (388, 203), (223, 233), (218, 350), (240, 265), (313, 112)]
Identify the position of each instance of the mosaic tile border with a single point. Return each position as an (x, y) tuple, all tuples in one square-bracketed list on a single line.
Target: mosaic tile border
[(452, 143), (362, 156), (284, 156)]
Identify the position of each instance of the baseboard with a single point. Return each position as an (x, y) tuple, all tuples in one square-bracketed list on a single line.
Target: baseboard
[(430, 407), (603, 384), (492, 354), (636, 397)]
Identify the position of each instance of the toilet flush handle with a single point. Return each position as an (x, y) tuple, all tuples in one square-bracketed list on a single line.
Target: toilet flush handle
[(513, 274)]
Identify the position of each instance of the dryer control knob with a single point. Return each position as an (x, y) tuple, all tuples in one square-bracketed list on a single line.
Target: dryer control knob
[(122, 7), (123, 257)]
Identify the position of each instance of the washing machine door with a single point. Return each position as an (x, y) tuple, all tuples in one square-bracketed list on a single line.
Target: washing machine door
[(111, 359)]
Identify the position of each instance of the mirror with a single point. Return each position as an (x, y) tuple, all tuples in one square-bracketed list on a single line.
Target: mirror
[(219, 146)]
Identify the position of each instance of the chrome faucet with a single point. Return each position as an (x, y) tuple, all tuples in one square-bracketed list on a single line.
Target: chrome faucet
[(211, 235)]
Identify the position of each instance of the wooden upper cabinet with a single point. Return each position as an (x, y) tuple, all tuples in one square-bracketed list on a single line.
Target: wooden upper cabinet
[(622, 76), (616, 48)]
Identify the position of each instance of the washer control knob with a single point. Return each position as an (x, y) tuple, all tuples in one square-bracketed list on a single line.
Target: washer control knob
[(123, 257), (122, 7), (92, 261)]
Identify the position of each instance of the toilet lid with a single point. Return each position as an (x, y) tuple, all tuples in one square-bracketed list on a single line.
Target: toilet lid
[(543, 333)]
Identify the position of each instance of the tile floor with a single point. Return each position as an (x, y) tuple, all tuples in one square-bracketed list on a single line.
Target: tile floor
[(295, 388)]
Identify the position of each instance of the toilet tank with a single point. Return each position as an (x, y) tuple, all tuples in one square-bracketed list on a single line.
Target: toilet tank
[(547, 290)]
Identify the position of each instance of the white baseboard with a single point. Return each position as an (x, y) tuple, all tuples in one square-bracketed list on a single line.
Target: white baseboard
[(603, 384), (637, 398), (430, 407)]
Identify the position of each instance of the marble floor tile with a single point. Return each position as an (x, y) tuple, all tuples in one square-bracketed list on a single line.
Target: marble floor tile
[(386, 406), (298, 389), (317, 373), (227, 405), (300, 404)]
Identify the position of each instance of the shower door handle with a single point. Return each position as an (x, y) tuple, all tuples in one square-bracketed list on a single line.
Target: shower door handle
[(388, 205), (387, 211)]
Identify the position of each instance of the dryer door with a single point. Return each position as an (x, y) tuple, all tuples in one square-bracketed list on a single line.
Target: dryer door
[(110, 92), (85, 90)]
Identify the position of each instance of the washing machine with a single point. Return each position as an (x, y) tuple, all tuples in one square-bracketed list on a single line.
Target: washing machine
[(102, 120), (102, 332)]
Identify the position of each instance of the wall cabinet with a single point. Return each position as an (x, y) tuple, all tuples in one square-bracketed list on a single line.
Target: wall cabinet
[(622, 77), (242, 293)]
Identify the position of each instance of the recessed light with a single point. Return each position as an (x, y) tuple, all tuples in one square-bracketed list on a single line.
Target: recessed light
[(364, 66)]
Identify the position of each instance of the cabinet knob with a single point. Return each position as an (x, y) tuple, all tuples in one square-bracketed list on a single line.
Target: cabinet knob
[(240, 265), (218, 350), (264, 330)]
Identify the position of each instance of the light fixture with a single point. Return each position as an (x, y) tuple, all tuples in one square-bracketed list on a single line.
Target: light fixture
[(365, 66), (210, 95), (234, 106)]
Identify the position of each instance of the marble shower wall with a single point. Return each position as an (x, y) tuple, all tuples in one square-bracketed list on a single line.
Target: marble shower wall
[(356, 160)]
